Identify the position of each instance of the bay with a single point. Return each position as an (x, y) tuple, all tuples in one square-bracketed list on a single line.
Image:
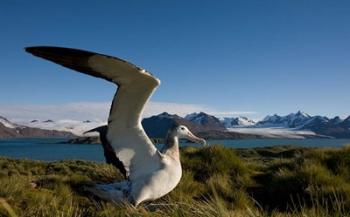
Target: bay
[(51, 150)]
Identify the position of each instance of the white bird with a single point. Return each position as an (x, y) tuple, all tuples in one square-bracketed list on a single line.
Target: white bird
[(150, 173)]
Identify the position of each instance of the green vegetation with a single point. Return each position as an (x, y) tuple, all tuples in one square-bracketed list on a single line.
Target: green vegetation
[(217, 181)]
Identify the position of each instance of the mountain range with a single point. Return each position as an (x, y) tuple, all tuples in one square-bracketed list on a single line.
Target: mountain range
[(11, 130), (204, 125), (237, 122), (293, 125), (322, 125), (291, 120)]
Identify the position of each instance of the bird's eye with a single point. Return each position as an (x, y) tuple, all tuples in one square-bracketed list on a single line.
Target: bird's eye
[(182, 128)]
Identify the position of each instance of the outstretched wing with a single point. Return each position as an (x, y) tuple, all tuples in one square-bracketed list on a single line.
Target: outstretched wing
[(135, 86), (108, 150)]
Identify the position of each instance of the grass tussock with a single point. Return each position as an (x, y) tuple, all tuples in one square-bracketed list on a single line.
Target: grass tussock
[(217, 181)]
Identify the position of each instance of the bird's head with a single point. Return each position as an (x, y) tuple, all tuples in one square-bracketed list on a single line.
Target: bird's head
[(182, 132)]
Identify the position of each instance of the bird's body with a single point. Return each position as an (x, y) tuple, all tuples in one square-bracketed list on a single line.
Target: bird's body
[(150, 173), (148, 187)]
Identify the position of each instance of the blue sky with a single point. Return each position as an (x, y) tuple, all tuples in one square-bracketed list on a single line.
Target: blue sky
[(254, 56)]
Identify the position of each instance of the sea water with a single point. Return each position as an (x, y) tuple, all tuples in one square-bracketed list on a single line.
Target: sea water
[(53, 150)]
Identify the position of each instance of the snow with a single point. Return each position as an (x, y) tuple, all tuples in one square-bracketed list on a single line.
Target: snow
[(237, 122), (293, 125), (74, 126), (195, 117), (314, 121), (276, 126), (291, 120), (199, 118), (191, 116), (7, 123), (275, 132), (337, 120), (272, 118), (164, 115)]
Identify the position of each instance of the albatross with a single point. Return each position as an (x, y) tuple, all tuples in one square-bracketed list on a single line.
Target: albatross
[(149, 173)]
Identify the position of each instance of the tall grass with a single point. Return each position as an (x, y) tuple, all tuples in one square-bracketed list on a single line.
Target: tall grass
[(216, 181)]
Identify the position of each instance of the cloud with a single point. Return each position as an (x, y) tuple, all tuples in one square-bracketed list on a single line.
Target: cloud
[(99, 111), (73, 111)]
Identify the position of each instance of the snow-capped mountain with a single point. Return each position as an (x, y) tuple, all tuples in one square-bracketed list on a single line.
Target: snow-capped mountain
[(7, 123), (9, 129), (298, 125), (331, 127), (315, 122), (157, 126), (73, 126), (293, 120), (336, 120), (276, 126), (297, 119), (205, 120), (201, 124), (346, 122), (237, 122)]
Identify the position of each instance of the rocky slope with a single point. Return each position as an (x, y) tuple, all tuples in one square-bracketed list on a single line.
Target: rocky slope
[(206, 121), (331, 127), (202, 124), (291, 121), (237, 122)]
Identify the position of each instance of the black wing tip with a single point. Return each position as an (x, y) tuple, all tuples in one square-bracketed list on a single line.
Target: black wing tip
[(57, 50), (42, 50), (33, 49), (60, 55)]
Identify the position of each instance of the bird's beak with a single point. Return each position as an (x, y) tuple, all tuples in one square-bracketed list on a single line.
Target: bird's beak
[(196, 139)]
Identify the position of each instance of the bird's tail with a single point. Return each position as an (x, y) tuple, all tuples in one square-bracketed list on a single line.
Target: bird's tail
[(108, 192)]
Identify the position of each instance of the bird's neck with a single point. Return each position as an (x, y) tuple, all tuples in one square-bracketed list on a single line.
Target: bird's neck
[(171, 146)]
